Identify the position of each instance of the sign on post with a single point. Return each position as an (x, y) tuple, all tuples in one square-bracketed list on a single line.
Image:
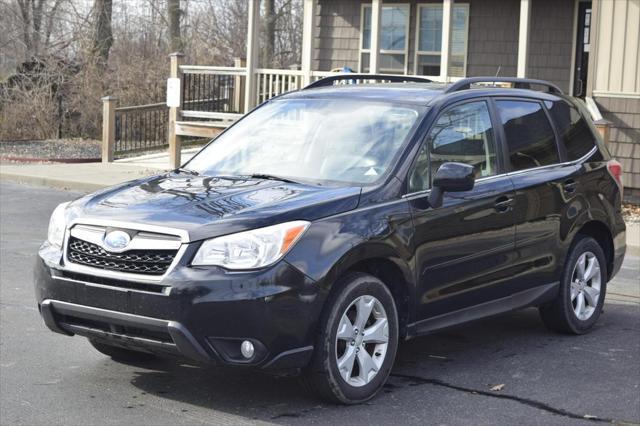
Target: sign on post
[(173, 92)]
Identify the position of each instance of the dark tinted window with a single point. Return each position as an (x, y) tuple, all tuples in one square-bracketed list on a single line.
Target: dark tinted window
[(572, 129), (530, 138), (462, 134)]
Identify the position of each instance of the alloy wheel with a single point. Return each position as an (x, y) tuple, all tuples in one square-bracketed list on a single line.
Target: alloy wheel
[(362, 341), (585, 286)]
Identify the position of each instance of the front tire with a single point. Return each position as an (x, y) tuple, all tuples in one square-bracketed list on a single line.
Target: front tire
[(582, 290), (357, 342)]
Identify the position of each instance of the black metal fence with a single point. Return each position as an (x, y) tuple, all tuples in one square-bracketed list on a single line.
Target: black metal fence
[(208, 92), (141, 128)]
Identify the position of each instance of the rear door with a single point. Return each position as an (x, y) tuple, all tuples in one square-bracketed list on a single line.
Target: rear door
[(463, 249), (544, 185)]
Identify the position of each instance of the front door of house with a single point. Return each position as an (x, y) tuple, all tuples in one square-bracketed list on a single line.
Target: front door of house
[(583, 37)]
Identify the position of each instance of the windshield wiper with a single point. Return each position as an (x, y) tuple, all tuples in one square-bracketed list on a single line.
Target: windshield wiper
[(270, 177), (191, 172)]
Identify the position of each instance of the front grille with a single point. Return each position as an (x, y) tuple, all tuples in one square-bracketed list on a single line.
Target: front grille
[(147, 262)]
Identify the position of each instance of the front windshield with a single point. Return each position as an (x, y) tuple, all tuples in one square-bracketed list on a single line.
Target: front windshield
[(311, 140)]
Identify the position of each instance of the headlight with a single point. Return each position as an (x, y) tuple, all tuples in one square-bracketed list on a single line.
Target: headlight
[(57, 225), (250, 249)]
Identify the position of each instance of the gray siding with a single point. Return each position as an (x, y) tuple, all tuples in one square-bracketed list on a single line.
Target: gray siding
[(551, 41), (336, 35), (624, 138), (492, 43), (493, 37)]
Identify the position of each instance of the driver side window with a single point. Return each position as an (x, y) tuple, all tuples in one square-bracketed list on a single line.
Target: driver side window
[(462, 134)]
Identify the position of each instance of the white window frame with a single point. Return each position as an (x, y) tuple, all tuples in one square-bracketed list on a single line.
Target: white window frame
[(404, 52), (417, 52)]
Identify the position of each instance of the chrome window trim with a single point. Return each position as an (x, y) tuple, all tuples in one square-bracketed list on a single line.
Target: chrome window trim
[(126, 276), (411, 195)]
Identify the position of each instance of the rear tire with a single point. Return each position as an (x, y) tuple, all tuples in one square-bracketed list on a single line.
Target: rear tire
[(121, 354), (583, 287), (357, 341)]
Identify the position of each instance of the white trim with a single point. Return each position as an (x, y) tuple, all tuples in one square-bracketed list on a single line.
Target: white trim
[(524, 31), (574, 46), (445, 51), (253, 28), (404, 52), (374, 42), (418, 52), (606, 94), (307, 40)]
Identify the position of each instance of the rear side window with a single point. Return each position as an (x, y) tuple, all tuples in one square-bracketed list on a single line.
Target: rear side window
[(529, 134), (572, 129)]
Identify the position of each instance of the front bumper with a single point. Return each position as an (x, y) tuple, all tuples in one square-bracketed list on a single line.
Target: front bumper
[(199, 314)]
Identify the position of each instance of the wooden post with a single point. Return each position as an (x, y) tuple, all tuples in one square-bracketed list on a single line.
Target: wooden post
[(374, 45), (447, 18), (174, 140), (108, 128), (307, 40), (523, 37), (251, 86), (603, 127), (238, 92)]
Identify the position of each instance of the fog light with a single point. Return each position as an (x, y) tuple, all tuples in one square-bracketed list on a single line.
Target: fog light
[(247, 349)]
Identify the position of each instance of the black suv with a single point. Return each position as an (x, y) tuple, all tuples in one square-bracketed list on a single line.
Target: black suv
[(333, 222)]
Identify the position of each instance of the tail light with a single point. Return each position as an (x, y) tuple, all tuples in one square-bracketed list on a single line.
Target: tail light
[(615, 169)]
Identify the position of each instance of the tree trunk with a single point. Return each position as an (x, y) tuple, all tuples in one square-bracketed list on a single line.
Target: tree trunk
[(25, 14), (270, 30), (174, 12), (102, 35)]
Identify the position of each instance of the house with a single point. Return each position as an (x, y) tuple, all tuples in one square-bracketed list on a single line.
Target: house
[(590, 49)]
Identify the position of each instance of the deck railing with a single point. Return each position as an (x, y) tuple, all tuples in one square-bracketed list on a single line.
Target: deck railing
[(140, 128), (211, 99)]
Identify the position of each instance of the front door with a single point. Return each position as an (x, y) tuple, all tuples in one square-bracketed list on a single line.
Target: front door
[(463, 248), (583, 37)]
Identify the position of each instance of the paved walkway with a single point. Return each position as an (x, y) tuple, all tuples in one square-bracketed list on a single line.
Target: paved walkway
[(90, 176)]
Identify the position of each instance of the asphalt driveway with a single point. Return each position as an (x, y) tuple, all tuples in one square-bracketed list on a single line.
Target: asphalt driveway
[(445, 378)]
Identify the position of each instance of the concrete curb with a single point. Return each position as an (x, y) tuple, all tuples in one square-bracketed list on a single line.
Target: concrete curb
[(51, 182)]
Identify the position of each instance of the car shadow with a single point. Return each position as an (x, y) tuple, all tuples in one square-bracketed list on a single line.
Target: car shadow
[(457, 354)]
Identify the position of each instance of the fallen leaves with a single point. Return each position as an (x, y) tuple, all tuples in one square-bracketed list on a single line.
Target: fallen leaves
[(497, 388)]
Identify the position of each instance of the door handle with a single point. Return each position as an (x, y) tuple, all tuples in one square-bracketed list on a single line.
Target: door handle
[(570, 186), (503, 204)]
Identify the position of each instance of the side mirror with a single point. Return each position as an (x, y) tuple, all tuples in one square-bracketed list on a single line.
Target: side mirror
[(451, 177)]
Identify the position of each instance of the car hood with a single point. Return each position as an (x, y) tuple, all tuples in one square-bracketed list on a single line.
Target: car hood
[(207, 206)]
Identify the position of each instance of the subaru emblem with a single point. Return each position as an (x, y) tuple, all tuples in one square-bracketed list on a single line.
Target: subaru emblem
[(116, 240)]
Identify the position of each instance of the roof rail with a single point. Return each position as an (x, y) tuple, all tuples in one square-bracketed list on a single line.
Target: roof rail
[(518, 83), (328, 81)]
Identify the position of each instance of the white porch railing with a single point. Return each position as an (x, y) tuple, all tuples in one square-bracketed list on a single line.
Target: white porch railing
[(212, 98)]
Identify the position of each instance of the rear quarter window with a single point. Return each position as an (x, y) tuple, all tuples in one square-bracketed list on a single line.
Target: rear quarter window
[(573, 129), (530, 137)]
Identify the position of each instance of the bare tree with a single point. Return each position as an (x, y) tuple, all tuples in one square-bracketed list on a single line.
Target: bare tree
[(174, 13), (32, 15), (270, 32), (102, 36)]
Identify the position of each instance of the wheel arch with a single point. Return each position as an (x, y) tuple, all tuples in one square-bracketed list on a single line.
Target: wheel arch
[(600, 232), (382, 262)]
